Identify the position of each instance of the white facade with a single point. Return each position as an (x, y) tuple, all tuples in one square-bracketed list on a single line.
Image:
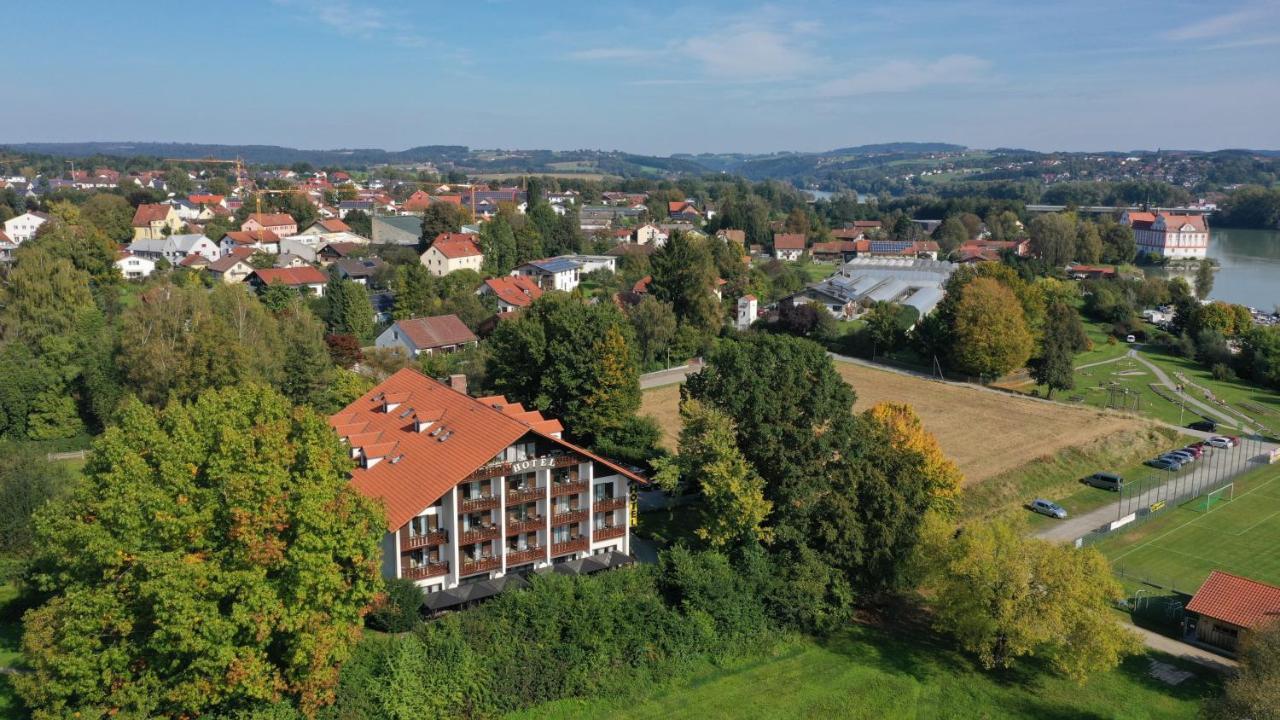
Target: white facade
[(133, 267), (782, 254), (747, 311), (22, 228)]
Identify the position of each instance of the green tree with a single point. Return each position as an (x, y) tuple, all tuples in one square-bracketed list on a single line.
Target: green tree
[(885, 327), (359, 222), (1004, 596), (307, 369), (991, 334), (1053, 238), (1088, 243), (109, 214), (1064, 336), (1204, 279), (498, 243), (1118, 243), (1254, 691), (27, 482), (216, 558), (571, 360), (441, 217), (951, 234), (349, 308), (415, 293), (684, 275), (654, 323)]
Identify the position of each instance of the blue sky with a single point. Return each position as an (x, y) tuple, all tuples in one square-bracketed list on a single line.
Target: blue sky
[(651, 77)]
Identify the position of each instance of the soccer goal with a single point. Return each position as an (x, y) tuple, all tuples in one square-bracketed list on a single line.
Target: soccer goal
[(1217, 497)]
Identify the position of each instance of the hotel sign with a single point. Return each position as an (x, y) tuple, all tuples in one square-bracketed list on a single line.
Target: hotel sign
[(534, 464)]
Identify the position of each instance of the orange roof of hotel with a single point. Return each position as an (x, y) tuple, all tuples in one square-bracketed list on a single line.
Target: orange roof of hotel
[(1236, 600), (425, 466)]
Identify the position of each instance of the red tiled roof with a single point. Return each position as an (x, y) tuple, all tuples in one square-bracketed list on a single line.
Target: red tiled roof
[(226, 262), (834, 247), (293, 277), (272, 219), (193, 260), (419, 467), (206, 199), (739, 236), (1173, 222), (4, 238), (148, 213), (251, 237), (788, 241), (436, 331), (847, 233), (866, 223), (518, 290), (1236, 600), (341, 249), (334, 225), (677, 207), (456, 245)]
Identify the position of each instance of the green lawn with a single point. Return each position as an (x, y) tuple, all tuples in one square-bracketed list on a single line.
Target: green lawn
[(1179, 549), (817, 271), (1258, 403), (869, 673)]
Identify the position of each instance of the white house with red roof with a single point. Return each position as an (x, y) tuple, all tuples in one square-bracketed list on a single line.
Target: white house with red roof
[(134, 267), (306, 280), (479, 489), (282, 224), (513, 292), (257, 240), (1166, 235), (450, 252), (1228, 607), (430, 335), (788, 246)]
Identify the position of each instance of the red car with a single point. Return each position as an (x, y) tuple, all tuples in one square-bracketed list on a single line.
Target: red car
[(1198, 452)]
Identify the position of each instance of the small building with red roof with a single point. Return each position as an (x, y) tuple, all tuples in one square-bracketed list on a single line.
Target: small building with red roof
[(452, 251), (429, 335), (303, 279), (788, 246), (282, 224), (513, 291), (155, 221), (478, 489), (1229, 606)]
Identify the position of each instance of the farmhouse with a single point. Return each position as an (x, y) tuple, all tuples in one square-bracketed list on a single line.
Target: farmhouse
[(478, 490), (430, 335), (133, 267), (22, 228), (788, 246), (1229, 606), (258, 240)]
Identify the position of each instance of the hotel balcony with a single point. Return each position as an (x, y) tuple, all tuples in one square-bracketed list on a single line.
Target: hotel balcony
[(568, 488), (569, 516), (603, 504), (471, 567), (520, 557), (475, 535), (575, 545), (529, 494), (608, 533), (476, 504), (423, 572), (436, 537), (523, 526)]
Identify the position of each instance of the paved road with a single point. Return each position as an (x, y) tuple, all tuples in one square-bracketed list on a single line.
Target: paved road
[(1183, 651), (670, 376), (1221, 465)]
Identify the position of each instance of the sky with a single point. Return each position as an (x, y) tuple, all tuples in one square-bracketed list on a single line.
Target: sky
[(651, 77)]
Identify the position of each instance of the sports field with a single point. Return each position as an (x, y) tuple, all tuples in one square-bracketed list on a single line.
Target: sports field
[(1178, 550)]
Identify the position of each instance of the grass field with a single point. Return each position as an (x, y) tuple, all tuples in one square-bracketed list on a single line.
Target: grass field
[(869, 673), (985, 433), (1179, 549)]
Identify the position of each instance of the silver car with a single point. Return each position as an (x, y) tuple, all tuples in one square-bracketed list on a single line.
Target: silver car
[(1050, 508)]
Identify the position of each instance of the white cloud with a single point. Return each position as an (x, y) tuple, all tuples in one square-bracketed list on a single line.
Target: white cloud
[(907, 75), (608, 53), (356, 21), (749, 53), (1219, 25)]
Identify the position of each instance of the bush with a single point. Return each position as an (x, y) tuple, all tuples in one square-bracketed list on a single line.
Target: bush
[(399, 609), (1222, 371)]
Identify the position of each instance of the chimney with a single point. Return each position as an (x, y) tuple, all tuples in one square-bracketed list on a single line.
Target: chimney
[(458, 381)]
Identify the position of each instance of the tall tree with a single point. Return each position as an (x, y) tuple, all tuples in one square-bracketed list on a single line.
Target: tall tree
[(215, 559), (991, 334), (441, 217), (1053, 238), (654, 323), (1118, 243), (498, 243), (1063, 337), (350, 311), (1088, 243), (1004, 596), (308, 370), (1254, 692), (1204, 279), (951, 234), (684, 275)]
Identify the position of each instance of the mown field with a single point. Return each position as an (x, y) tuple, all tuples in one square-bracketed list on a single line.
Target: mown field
[(986, 433), (870, 673), (1179, 549)]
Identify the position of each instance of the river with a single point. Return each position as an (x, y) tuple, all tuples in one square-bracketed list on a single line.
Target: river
[(1249, 267)]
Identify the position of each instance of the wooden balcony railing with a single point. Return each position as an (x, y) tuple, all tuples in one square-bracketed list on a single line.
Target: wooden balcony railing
[(609, 533), (471, 567), (520, 557), (423, 572), (523, 526), (569, 516), (568, 488), (436, 537), (507, 468), (529, 494), (614, 503), (575, 545), (475, 535), (476, 504)]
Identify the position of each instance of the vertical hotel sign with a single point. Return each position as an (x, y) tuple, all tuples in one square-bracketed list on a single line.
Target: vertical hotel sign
[(634, 493)]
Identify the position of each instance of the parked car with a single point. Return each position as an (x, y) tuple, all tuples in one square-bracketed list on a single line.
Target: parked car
[(1204, 425), (1105, 481), (1164, 464), (1181, 457), (1130, 338), (1235, 440), (1050, 508), (1220, 442), (1196, 451)]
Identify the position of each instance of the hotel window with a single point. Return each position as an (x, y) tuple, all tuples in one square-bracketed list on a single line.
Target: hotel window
[(564, 533), (523, 541), (566, 503), (604, 491), (522, 512), (423, 524), (478, 551), (474, 521), (523, 481), (477, 489), (604, 520), (565, 474)]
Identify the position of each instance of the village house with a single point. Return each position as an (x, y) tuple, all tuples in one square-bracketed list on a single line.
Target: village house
[(282, 224), (551, 273), (258, 240), (838, 250), (231, 268), (738, 237), (650, 234), (450, 252), (306, 280), (513, 292), (333, 252), (21, 228), (153, 221), (360, 270), (133, 267), (1227, 607), (683, 210), (478, 490), (430, 335), (788, 246), (325, 227)]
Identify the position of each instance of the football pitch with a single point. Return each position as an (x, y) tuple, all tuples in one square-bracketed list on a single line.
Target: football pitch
[(1178, 550)]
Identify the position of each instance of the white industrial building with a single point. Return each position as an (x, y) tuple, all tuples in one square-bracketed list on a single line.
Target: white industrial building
[(864, 281)]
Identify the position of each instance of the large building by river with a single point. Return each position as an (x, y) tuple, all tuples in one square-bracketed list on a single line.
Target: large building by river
[(1166, 235)]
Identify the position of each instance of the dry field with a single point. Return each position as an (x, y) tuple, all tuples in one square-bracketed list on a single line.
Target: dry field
[(985, 433)]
